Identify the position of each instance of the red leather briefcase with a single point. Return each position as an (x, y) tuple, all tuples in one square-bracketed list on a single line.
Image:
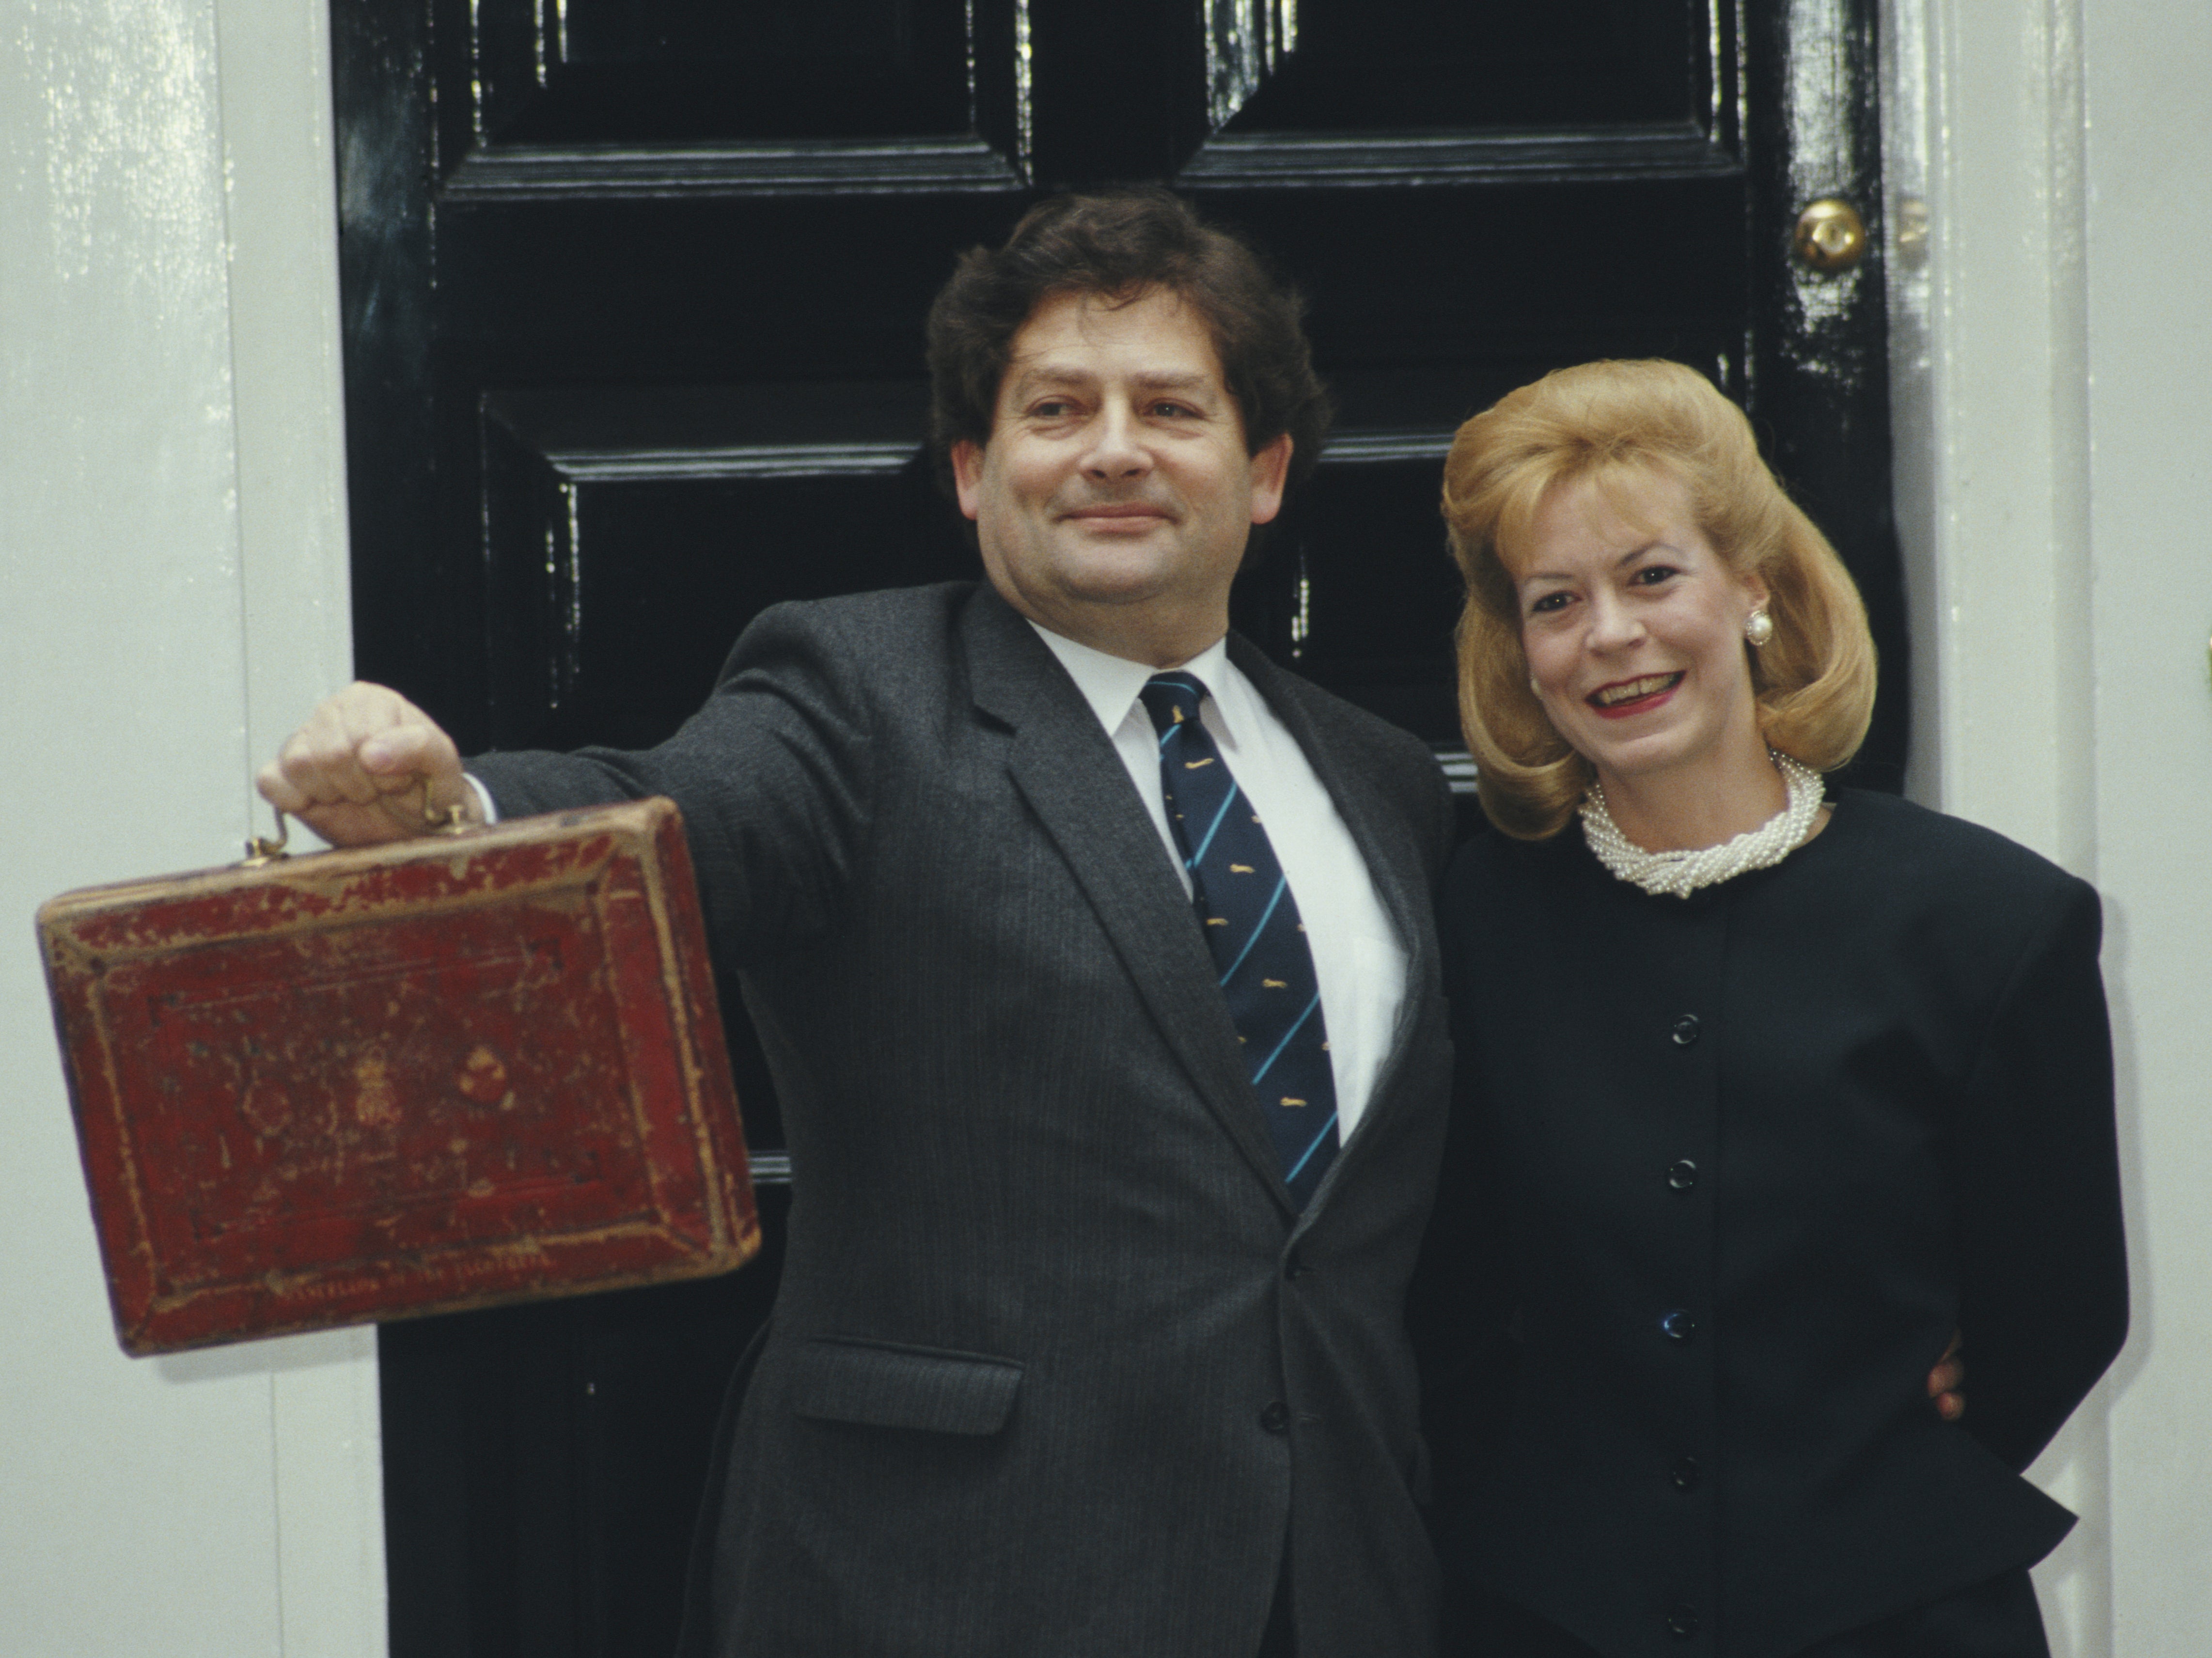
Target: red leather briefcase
[(370, 1083)]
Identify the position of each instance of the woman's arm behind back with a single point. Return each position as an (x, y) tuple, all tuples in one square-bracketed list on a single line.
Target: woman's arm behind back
[(2044, 1298)]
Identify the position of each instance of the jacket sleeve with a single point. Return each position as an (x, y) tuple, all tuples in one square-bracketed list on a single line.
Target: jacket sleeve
[(771, 775), (1460, 1305), (2043, 1295)]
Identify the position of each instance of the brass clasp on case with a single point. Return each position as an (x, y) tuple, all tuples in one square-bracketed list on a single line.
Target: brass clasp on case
[(260, 850)]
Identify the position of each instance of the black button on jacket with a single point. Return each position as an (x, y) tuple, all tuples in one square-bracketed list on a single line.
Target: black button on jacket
[(1897, 1100)]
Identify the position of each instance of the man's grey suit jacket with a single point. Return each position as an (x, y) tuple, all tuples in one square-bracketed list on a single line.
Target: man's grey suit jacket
[(1055, 1368)]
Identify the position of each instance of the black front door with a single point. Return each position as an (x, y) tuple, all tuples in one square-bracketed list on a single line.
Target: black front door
[(633, 294)]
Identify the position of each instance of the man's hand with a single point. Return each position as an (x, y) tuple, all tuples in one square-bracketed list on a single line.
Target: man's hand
[(367, 767), (1943, 1381)]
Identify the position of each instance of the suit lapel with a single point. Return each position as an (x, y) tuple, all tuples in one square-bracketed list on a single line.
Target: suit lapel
[(1068, 770), (1393, 863)]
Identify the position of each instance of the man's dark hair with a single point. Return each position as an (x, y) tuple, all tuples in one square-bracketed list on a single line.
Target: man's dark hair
[(1121, 244)]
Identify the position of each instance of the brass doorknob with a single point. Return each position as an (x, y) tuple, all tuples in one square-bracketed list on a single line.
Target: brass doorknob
[(1830, 236)]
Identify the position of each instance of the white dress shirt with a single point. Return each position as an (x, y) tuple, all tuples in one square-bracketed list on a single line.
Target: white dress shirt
[(1358, 958)]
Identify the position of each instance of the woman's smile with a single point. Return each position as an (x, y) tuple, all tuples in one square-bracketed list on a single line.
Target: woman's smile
[(1628, 696)]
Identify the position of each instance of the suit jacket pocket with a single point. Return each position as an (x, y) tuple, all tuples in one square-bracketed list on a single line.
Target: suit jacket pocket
[(881, 1385)]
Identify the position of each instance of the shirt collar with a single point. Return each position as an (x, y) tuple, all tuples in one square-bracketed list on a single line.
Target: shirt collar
[(1111, 683)]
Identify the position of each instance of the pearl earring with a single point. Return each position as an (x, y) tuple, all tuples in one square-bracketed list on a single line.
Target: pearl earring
[(1759, 627), (1534, 688)]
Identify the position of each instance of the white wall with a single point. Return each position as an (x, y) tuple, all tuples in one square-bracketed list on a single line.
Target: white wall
[(2052, 364), (172, 593), (2149, 329)]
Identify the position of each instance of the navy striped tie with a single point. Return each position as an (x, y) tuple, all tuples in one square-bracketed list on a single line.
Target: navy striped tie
[(1252, 926)]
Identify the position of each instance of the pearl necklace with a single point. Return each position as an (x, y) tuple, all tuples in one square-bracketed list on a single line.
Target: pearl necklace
[(1683, 873)]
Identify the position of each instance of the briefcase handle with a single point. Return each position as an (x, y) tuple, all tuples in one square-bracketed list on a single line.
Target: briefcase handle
[(260, 850)]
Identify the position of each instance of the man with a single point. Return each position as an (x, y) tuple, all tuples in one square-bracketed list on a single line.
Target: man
[(1103, 1005)]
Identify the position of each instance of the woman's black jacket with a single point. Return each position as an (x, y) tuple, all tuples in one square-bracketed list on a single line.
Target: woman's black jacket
[(1725, 1174)]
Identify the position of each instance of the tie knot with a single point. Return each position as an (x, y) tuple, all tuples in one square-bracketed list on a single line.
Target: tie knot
[(1172, 698)]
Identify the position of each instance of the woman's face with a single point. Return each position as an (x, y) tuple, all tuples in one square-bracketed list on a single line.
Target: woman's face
[(1634, 630)]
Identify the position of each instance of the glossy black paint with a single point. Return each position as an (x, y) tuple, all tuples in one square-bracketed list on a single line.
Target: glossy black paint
[(542, 1463), (1820, 343), (633, 293)]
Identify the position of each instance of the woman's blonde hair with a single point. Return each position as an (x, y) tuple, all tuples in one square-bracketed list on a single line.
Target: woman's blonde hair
[(1605, 422)]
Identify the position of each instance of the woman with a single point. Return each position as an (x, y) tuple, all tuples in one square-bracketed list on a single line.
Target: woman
[(1764, 1093)]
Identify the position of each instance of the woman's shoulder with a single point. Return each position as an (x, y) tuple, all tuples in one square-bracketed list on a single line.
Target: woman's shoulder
[(1882, 856), (1941, 892), (1919, 847), (1490, 860)]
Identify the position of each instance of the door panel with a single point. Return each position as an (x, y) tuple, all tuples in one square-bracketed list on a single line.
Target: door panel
[(554, 84), (630, 533), (1340, 65), (632, 296)]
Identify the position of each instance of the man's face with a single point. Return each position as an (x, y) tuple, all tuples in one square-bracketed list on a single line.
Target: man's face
[(1115, 497)]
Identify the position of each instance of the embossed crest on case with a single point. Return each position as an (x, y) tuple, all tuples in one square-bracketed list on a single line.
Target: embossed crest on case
[(389, 1081)]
